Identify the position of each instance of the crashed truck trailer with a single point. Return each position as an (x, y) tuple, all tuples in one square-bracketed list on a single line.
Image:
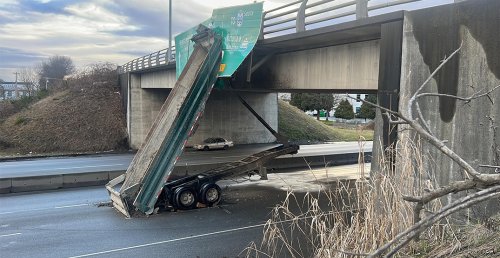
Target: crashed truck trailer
[(146, 183)]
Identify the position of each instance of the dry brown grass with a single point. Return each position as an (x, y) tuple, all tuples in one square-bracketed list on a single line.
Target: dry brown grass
[(84, 115), (359, 217)]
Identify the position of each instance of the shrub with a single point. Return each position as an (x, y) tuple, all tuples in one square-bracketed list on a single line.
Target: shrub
[(20, 120)]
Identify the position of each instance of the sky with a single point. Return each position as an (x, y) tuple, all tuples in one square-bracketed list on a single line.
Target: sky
[(92, 31)]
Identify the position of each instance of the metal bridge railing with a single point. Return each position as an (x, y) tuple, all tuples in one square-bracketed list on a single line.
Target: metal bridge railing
[(159, 58), (296, 16)]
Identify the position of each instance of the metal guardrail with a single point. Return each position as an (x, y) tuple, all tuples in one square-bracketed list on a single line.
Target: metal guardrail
[(296, 16), (286, 19), (159, 58)]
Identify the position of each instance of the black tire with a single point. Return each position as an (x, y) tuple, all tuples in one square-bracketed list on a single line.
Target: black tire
[(184, 198), (226, 147), (206, 148), (210, 194)]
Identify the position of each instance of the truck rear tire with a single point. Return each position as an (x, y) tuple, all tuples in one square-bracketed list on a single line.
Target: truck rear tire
[(185, 198), (210, 194)]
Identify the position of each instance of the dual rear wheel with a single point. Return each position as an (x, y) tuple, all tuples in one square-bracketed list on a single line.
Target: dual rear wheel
[(187, 197)]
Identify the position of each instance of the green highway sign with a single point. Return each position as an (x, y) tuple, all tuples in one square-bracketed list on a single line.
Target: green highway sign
[(239, 27)]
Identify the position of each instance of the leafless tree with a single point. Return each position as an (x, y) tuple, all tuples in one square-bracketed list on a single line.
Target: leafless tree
[(478, 186), (54, 69), (30, 76)]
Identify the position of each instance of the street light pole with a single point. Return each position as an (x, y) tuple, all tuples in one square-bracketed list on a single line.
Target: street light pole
[(169, 30)]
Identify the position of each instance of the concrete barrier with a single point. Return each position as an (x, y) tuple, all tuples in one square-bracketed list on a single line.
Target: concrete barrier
[(316, 161), (85, 179), (5, 185), (36, 183)]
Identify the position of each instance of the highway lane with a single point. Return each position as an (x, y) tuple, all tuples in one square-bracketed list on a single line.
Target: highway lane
[(113, 162), (68, 223)]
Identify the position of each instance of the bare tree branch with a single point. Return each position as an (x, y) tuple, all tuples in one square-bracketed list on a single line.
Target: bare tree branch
[(413, 98), (422, 119), (466, 99)]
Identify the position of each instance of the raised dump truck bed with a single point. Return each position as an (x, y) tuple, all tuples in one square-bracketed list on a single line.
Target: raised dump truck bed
[(149, 170)]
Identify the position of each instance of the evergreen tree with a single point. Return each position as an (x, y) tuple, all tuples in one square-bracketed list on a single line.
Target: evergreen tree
[(367, 110), (313, 101), (344, 110)]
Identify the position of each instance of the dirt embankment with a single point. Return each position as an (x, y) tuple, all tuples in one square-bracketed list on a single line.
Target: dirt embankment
[(83, 116)]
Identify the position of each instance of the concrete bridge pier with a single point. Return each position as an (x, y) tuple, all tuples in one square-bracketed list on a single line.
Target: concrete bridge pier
[(224, 115)]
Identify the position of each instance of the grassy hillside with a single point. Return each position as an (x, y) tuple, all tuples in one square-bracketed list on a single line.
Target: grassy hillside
[(82, 117), (297, 126)]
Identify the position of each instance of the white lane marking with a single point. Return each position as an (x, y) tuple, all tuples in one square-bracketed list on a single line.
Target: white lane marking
[(49, 208), (110, 165), (169, 241), (14, 234), (198, 236), (69, 206), (224, 157), (57, 162)]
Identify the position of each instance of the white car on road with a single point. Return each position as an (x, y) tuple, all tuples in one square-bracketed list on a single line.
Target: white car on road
[(214, 143)]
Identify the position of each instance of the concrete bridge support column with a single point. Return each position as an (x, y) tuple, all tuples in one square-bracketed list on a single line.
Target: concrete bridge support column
[(470, 130), (144, 106), (388, 90)]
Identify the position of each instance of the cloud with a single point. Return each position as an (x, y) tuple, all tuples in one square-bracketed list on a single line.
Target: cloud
[(12, 57)]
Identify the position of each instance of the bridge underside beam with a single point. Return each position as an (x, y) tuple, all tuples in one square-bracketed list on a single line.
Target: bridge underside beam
[(340, 68)]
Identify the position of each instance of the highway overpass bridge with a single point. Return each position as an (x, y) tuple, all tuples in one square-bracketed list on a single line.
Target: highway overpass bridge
[(389, 54)]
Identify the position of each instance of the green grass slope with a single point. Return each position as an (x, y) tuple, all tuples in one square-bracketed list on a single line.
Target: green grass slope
[(299, 127)]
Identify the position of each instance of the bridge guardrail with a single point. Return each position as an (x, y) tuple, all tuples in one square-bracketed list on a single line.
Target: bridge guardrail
[(161, 57), (296, 16)]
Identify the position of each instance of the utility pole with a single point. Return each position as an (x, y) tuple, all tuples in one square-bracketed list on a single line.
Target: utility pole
[(15, 85)]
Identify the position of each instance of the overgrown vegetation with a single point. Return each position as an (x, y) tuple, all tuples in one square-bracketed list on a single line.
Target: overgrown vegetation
[(299, 127), (81, 115), (358, 219), (10, 107)]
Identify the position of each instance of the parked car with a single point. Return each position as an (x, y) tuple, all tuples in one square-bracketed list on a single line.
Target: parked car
[(214, 143)]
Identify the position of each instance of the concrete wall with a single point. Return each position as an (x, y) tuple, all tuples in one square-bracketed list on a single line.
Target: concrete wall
[(164, 79), (335, 68), (144, 105), (472, 129), (224, 115)]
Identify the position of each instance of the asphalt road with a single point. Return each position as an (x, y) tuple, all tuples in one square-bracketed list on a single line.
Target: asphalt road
[(68, 223), (112, 162)]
